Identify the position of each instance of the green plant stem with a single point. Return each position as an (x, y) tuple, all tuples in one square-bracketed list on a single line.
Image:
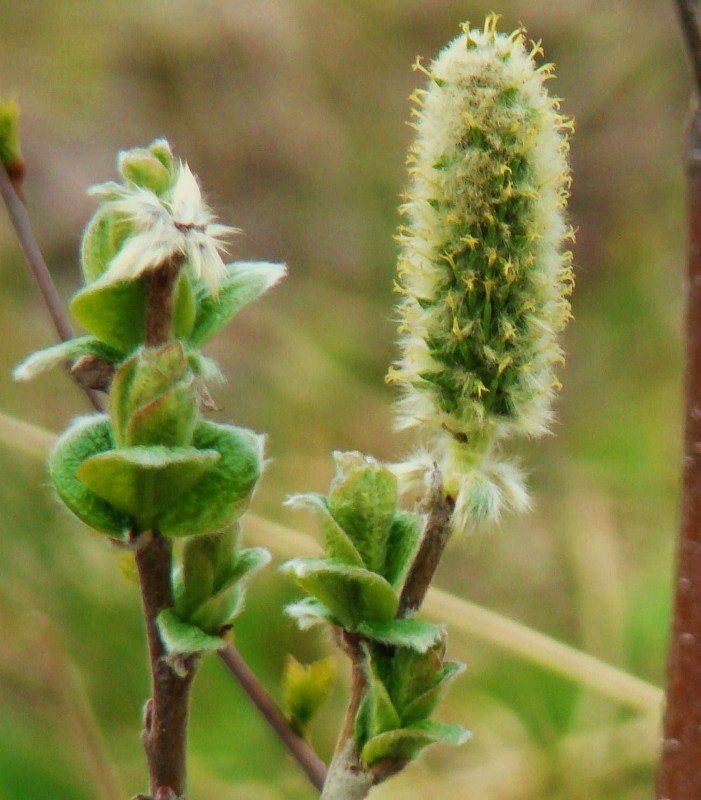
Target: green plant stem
[(680, 776), (304, 755)]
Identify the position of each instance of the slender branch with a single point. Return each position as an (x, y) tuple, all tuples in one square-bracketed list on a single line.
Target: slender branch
[(37, 266), (166, 717), (689, 19), (304, 755), (433, 542), (347, 778), (680, 776), (32, 253)]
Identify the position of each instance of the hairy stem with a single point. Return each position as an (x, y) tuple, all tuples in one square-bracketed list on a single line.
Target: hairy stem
[(680, 776), (303, 754)]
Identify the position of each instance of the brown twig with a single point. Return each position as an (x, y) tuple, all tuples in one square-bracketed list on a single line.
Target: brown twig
[(688, 11), (37, 266), (165, 722), (166, 718), (435, 538), (304, 755), (680, 776)]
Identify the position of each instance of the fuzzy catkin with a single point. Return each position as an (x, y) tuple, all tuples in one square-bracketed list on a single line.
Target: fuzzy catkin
[(483, 272)]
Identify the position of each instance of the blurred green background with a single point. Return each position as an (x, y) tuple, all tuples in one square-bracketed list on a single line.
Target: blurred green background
[(293, 115)]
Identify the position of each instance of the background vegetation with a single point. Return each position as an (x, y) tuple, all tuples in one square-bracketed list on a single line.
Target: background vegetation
[(293, 114)]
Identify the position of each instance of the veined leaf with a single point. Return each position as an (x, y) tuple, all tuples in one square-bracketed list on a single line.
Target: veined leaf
[(352, 594), (246, 281), (142, 481), (50, 357), (406, 743), (84, 439), (181, 638), (223, 494), (337, 543)]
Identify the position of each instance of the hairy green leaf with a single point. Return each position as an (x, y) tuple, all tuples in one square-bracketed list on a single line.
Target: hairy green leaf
[(352, 594), (142, 481), (246, 281), (85, 438)]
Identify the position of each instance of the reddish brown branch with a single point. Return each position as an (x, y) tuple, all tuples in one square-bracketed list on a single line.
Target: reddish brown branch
[(165, 723), (680, 768), (435, 538), (689, 18), (311, 764)]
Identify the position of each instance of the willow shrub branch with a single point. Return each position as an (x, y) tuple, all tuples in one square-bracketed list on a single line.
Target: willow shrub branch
[(10, 190), (153, 470), (679, 775)]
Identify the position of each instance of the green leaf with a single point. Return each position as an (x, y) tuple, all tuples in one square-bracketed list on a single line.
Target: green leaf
[(227, 598), (102, 239), (219, 610), (113, 312), (10, 153), (193, 579), (142, 168), (50, 357), (402, 542), (409, 674), (406, 743), (363, 500), (352, 594), (423, 705), (184, 307), (336, 542), (309, 612), (377, 712), (248, 562), (161, 149), (85, 438), (306, 688), (168, 420), (181, 638), (142, 481), (152, 398), (223, 494), (246, 281), (412, 633)]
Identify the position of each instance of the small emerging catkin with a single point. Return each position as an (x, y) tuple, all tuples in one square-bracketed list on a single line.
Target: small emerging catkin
[(483, 272)]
